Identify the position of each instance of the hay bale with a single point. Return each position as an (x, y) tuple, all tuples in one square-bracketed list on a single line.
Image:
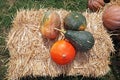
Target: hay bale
[(115, 1), (29, 51)]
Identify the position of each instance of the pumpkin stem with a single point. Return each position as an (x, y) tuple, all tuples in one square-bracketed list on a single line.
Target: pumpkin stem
[(61, 30)]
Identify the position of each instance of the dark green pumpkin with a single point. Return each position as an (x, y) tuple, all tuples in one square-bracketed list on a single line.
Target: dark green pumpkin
[(75, 21), (82, 40)]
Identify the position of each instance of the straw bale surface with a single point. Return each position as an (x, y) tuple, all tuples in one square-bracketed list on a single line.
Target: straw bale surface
[(29, 51)]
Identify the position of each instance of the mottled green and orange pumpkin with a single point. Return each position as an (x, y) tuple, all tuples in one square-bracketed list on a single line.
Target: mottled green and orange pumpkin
[(51, 20)]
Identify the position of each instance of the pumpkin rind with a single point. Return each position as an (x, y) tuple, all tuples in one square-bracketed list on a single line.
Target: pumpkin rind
[(75, 21), (50, 21), (111, 17), (82, 40)]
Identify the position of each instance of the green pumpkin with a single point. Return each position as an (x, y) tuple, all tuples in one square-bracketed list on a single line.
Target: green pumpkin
[(82, 40), (75, 21)]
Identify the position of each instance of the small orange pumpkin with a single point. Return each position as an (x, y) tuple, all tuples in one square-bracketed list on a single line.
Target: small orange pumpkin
[(62, 52), (111, 17), (95, 5)]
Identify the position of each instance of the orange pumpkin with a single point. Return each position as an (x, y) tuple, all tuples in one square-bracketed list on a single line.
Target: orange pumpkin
[(50, 21), (95, 5), (111, 17), (62, 52)]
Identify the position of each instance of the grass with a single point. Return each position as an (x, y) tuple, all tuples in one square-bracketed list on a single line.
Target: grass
[(8, 10)]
